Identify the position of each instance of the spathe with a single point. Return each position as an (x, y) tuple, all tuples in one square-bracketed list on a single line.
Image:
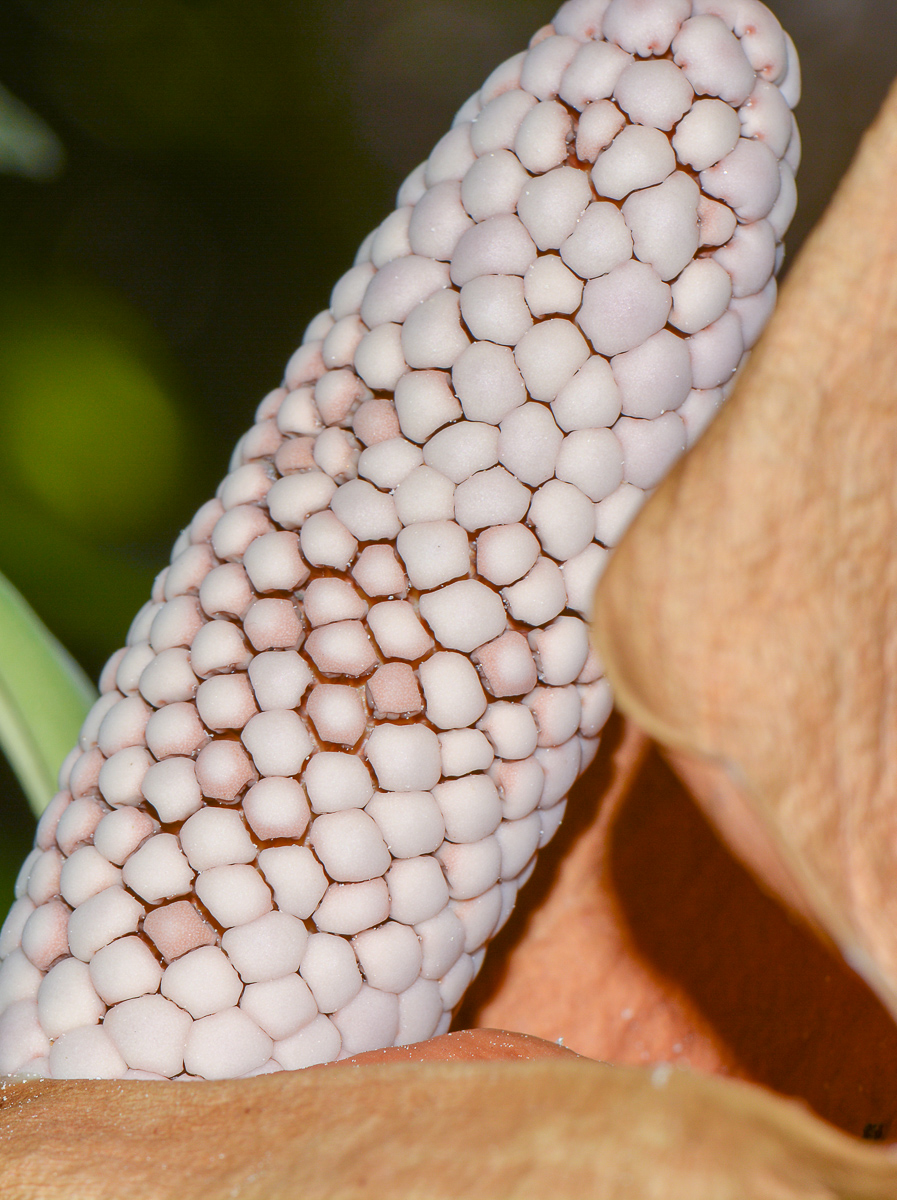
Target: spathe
[(764, 581), (499, 1129)]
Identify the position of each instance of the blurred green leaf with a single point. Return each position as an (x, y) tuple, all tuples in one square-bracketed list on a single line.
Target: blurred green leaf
[(91, 427), (28, 146), (44, 696)]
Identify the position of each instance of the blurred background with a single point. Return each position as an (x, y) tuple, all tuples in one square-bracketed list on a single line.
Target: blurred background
[(181, 184)]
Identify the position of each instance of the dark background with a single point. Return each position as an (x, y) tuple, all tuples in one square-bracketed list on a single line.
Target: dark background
[(223, 159)]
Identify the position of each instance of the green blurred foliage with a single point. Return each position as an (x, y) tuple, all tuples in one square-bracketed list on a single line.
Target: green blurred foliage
[(89, 429), (223, 159), (44, 697), (28, 146)]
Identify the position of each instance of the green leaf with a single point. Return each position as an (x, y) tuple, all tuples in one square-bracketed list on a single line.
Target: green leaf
[(44, 697), (28, 146)]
